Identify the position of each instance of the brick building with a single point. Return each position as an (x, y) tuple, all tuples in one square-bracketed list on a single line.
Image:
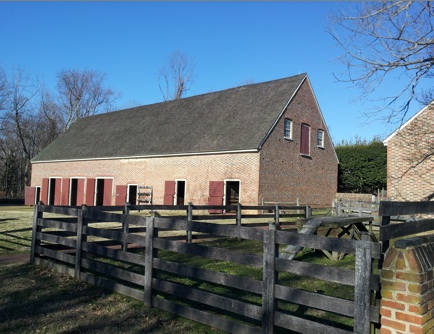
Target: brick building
[(410, 159), (265, 141)]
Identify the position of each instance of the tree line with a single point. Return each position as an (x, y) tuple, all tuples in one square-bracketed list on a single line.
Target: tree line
[(31, 116)]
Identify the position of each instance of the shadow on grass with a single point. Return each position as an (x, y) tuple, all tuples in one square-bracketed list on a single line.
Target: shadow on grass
[(18, 237), (38, 300)]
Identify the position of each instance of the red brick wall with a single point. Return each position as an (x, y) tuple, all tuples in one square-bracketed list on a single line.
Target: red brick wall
[(285, 175), (410, 170), (407, 280), (196, 170)]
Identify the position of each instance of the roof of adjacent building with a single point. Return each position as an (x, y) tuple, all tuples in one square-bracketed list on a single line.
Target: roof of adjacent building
[(235, 119), (408, 122)]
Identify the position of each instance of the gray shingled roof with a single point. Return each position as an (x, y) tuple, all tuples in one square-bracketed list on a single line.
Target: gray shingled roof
[(228, 120)]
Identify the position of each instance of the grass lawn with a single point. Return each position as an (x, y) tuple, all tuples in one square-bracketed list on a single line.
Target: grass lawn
[(15, 229), (38, 300)]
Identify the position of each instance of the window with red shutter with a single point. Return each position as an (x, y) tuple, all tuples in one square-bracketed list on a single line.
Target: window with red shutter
[(305, 139)]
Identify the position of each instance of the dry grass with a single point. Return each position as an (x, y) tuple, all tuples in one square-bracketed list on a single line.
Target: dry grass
[(37, 300)]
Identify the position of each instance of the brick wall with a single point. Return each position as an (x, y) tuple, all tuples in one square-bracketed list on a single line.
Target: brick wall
[(407, 304), (285, 175), (410, 168), (196, 170)]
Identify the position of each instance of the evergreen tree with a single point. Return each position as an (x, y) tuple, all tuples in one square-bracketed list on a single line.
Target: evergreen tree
[(362, 166)]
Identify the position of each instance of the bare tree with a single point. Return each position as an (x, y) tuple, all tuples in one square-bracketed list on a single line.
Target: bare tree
[(80, 94), (387, 40), (176, 76), (17, 135)]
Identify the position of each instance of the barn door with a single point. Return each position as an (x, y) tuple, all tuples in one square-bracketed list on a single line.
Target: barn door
[(44, 190), (108, 192), (64, 200), (90, 191), (169, 192), (121, 195), (216, 193), (29, 198)]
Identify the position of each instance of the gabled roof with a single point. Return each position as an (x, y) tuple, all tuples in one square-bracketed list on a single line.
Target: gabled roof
[(237, 119), (403, 126)]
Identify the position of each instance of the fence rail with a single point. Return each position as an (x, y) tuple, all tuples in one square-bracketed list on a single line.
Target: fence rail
[(235, 282)]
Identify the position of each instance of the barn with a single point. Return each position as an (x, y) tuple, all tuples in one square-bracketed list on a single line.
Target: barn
[(258, 143)]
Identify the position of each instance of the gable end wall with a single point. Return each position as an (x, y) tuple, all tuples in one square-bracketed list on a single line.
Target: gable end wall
[(285, 175)]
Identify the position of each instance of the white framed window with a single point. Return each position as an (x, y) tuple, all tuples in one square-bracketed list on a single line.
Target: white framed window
[(320, 138), (287, 129)]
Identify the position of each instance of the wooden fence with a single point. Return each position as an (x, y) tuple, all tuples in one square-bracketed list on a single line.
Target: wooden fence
[(234, 281)]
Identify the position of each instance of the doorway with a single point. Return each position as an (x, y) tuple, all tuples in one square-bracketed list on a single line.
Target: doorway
[(73, 193), (232, 192), (52, 193), (180, 192), (132, 194)]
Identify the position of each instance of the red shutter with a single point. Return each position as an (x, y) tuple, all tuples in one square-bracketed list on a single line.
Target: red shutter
[(80, 191), (121, 195), (65, 192), (169, 192), (108, 192), (29, 198), (216, 193), (90, 191), (57, 192), (305, 139), (44, 190)]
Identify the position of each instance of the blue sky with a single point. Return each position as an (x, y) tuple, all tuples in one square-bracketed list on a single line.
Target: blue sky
[(231, 42)]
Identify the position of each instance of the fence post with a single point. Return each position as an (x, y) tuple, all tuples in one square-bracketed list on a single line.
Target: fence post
[(277, 217), (308, 211), (269, 280), (81, 223), (37, 214), (149, 259), (125, 227), (190, 218), (362, 290), (238, 222)]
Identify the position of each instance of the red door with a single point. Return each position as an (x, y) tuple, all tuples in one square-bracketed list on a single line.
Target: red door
[(65, 192), (108, 192), (90, 191), (216, 193), (44, 191), (169, 192), (121, 195), (80, 191), (29, 198), (57, 191)]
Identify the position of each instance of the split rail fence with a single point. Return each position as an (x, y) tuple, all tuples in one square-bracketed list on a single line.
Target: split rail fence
[(233, 279)]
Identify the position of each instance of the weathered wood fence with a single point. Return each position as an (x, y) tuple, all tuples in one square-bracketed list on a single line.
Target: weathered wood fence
[(139, 257)]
